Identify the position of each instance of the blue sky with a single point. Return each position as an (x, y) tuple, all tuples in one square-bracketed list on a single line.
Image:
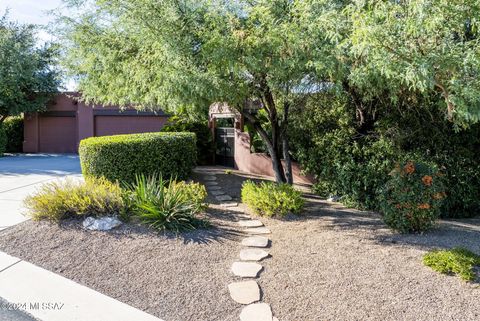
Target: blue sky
[(35, 12)]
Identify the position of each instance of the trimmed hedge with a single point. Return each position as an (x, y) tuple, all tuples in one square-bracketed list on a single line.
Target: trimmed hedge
[(122, 157)]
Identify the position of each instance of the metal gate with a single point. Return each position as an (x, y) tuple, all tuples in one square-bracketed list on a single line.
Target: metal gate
[(225, 146)]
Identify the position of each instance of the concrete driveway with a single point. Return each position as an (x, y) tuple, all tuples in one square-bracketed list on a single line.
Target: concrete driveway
[(21, 175)]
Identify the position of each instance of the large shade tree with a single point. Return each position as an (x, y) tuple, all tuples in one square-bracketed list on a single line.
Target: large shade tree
[(192, 53), (28, 76)]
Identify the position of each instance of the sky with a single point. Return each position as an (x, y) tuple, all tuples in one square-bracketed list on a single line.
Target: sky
[(34, 12)]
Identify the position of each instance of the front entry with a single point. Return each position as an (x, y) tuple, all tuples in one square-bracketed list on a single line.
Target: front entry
[(225, 146)]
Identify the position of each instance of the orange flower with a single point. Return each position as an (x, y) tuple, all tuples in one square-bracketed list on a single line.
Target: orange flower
[(424, 206), (409, 168), (427, 180)]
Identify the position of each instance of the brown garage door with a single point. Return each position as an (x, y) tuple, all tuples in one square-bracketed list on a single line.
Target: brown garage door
[(57, 134), (116, 125)]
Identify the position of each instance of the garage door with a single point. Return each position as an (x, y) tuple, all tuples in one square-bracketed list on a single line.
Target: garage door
[(57, 134), (116, 125)]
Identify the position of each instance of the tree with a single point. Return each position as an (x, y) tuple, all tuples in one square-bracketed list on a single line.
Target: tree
[(27, 75), (196, 52)]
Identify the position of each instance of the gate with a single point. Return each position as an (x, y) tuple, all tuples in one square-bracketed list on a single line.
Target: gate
[(225, 146)]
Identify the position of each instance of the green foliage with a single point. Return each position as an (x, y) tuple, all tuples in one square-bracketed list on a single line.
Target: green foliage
[(412, 197), (167, 204), (457, 261), (122, 157), (205, 146), (69, 199), (3, 140), (271, 199), (28, 77), (14, 131)]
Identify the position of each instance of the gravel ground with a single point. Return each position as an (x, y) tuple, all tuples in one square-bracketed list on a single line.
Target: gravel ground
[(331, 263)]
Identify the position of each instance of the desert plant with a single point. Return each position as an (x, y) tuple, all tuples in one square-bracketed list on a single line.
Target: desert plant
[(457, 261), (166, 204), (412, 198), (122, 157), (269, 199), (66, 199)]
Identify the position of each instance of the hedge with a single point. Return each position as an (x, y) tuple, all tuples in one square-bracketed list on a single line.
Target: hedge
[(122, 157), (3, 140), (14, 131)]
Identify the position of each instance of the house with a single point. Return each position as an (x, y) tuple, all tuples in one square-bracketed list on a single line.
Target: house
[(67, 120)]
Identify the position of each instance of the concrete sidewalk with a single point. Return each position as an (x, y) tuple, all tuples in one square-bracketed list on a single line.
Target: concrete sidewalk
[(50, 297), (21, 175)]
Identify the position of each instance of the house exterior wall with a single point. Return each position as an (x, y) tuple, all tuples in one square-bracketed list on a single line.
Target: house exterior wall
[(66, 121)]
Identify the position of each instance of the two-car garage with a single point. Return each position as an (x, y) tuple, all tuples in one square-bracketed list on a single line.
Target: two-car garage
[(67, 120)]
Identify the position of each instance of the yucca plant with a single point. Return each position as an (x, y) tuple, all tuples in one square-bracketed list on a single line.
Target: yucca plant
[(165, 204)]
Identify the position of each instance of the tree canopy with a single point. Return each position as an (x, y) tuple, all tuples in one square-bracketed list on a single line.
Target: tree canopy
[(27, 71)]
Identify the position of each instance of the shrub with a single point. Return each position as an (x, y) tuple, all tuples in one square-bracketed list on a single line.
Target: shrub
[(411, 199), (122, 157), (205, 146), (3, 140), (65, 199), (14, 131), (271, 199), (167, 204), (457, 261)]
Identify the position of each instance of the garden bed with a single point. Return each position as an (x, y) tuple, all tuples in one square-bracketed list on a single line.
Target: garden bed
[(329, 263)]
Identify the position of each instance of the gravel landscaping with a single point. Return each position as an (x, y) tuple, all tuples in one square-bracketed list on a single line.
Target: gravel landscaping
[(330, 263)]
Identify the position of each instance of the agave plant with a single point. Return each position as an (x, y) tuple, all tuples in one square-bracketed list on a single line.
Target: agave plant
[(162, 205)]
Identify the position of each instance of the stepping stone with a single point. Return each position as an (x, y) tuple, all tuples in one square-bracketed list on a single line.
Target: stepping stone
[(211, 183), (209, 178), (253, 254), (217, 193), (258, 230), (256, 312), (250, 223), (246, 269), (255, 241), (244, 292), (214, 188), (222, 198), (229, 204)]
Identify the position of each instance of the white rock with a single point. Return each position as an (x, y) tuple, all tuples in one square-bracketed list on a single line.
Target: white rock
[(246, 269), (255, 241), (258, 230), (253, 254), (333, 198), (223, 198), (256, 312), (250, 223), (244, 292), (229, 204), (101, 224)]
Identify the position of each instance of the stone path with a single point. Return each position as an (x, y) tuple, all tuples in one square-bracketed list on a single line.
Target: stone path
[(246, 292)]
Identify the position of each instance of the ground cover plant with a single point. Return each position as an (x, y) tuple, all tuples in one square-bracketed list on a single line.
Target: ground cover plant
[(165, 204), (272, 199), (73, 199), (458, 261), (412, 197), (123, 157)]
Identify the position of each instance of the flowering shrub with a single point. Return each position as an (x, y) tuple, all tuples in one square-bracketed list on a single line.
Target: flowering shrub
[(411, 199)]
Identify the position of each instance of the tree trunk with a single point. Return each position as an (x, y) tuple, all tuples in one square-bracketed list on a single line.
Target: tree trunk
[(286, 146)]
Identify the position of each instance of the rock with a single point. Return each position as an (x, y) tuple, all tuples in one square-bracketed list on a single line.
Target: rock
[(258, 230), (255, 241), (214, 188), (253, 254), (216, 193), (246, 269), (211, 183), (229, 204), (209, 178), (222, 198), (101, 224), (250, 223), (333, 198), (256, 312), (244, 292)]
